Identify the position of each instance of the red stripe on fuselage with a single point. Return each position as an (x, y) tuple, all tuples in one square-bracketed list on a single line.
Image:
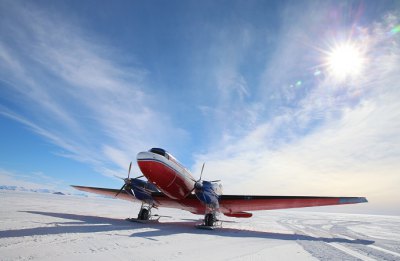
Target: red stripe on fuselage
[(170, 181)]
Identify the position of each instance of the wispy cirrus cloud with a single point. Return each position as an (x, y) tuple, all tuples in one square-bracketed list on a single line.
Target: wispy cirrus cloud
[(81, 95), (325, 137), (227, 107)]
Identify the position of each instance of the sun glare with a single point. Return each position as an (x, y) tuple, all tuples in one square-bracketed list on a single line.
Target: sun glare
[(345, 61)]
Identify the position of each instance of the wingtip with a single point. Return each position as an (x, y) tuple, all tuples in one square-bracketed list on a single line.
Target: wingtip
[(354, 200)]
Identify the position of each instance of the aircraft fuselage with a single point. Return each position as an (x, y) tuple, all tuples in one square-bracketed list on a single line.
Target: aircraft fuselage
[(164, 171)]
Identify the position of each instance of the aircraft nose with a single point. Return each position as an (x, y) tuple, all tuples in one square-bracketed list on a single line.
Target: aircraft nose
[(144, 155)]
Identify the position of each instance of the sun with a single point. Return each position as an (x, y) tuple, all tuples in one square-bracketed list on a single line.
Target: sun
[(345, 60)]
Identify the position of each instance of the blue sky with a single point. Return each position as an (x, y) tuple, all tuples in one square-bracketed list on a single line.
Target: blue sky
[(244, 86)]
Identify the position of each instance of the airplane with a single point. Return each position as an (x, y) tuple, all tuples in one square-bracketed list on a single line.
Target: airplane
[(169, 184)]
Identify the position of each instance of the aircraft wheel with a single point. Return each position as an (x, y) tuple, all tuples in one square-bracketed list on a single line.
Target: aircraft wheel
[(209, 220), (144, 214)]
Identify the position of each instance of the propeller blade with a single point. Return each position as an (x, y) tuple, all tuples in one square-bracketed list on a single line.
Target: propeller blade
[(202, 168), (123, 186), (118, 177), (139, 177), (197, 182), (129, 171), (218, 180)]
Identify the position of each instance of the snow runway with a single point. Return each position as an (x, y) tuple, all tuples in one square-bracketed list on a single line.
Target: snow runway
[(55, 227)]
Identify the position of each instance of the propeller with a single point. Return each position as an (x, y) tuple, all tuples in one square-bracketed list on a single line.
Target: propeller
[(127, 181), (198, 184)]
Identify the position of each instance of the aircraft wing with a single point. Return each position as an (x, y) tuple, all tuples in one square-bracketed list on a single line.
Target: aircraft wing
[(106, 192), (233, 205), (191, 203)]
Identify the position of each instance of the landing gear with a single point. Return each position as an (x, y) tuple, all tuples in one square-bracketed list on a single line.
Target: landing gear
[(144, 214), (210, 222), (209, 219)]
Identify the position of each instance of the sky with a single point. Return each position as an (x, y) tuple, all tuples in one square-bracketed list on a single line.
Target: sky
[(277, 97)]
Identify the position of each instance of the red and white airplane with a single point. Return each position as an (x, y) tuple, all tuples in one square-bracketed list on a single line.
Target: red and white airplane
[(171, 185)]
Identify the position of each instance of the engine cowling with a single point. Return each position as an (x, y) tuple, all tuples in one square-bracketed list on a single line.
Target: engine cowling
[(142, 190)]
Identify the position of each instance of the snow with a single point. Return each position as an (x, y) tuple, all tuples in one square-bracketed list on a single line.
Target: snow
[(36, 226)]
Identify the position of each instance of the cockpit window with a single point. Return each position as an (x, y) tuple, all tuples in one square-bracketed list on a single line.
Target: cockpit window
[(158, 151)]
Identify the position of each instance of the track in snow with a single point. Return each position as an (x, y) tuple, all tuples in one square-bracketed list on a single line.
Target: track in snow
[(51, 227), (340, 241)]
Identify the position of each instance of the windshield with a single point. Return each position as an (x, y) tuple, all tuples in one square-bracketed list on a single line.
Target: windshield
[(158, 151)]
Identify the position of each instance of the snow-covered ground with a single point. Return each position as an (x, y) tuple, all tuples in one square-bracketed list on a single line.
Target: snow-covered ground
[(56, 227)]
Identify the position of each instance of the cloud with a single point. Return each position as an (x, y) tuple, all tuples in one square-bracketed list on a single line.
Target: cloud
[(35, 180), (77, 93), (227, 89), (336, 139)]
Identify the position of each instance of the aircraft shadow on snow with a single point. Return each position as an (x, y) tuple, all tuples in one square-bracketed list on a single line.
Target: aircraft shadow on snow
[(91, 224)]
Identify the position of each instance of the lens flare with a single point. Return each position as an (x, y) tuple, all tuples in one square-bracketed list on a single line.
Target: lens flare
[(395, 30)]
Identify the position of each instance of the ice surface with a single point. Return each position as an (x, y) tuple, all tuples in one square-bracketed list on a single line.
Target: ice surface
[(36, 226)]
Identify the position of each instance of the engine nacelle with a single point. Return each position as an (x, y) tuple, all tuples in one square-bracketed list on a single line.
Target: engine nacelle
[(208, 193), (142, 190)]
